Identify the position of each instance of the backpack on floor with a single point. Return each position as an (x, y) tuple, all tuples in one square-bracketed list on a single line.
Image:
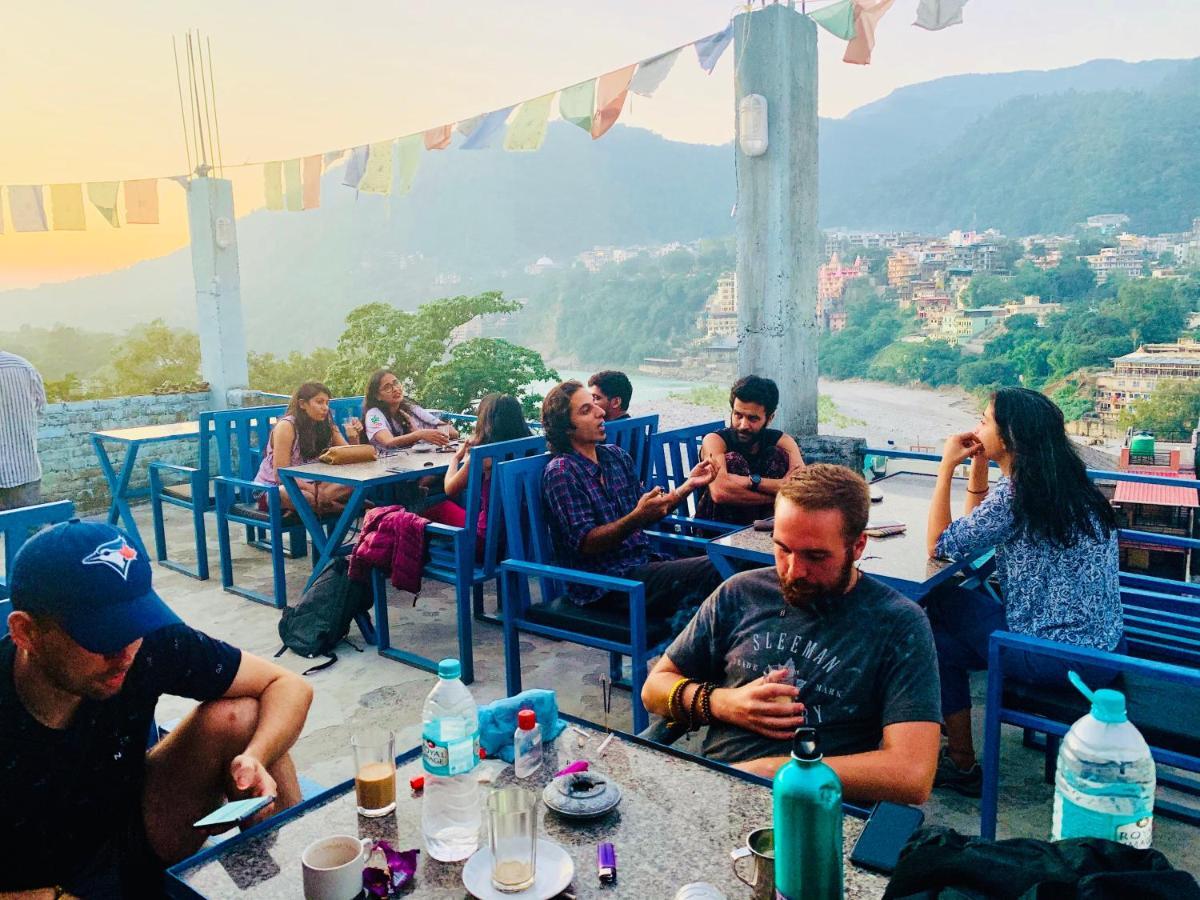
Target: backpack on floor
[(321, 620)]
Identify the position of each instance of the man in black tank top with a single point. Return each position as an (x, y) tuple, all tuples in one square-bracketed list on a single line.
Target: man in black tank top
[(752, 460)]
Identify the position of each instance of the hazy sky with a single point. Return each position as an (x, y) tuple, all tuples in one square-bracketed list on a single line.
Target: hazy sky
[(88, 93)]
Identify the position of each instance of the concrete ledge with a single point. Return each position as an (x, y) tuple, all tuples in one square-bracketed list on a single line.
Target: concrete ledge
[(828, 448)]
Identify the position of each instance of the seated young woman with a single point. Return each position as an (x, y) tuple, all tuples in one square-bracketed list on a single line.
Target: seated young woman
[(392, 421), (1055, 537), (499, 418), (301, 435)]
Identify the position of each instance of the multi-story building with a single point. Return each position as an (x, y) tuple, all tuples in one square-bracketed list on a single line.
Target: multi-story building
[(1108, 223), (1032, 305), (1125, 261), (720, 311), (965, 324), (902, 268), (1136, 375), (831, 285)]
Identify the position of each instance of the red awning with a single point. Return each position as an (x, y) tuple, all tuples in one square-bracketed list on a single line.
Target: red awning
[(1157, 494)]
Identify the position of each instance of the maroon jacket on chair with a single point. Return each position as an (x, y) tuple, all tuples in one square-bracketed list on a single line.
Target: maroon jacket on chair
[(392, 539)]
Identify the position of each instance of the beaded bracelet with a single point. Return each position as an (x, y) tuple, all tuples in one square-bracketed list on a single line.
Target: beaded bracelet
[(694, 709), (706, 690), (680, 685)]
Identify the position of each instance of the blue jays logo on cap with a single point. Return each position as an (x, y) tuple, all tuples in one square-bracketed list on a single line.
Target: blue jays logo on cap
[(117, 554)]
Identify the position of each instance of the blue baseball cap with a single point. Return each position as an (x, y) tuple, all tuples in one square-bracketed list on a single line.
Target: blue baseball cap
[(91, 579)]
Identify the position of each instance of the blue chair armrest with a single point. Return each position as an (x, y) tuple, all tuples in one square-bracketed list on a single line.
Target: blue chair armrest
[(679, 540), (182, 471), (702, 524), (1007, 640), (574, 576), (223, 485)]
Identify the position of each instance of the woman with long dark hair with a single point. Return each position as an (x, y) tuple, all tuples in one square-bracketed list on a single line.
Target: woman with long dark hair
[(392, 420), (499, 418), (301, 435), (1055, 537)]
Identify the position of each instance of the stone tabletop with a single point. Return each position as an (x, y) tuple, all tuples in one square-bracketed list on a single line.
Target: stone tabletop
[(399, 462), (900, 557), (677, 822)]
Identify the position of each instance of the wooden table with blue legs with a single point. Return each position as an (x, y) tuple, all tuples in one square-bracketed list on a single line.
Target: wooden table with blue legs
[(133, 440), (364, 479), (901, 561)]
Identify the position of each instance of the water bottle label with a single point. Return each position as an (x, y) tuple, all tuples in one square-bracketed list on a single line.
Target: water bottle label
[(454, 756), (1072, 820)]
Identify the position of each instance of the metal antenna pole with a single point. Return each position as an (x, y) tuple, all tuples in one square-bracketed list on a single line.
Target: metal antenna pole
[(216, 118), (182, 117), (192, 105), (204, 94), (195, 99)]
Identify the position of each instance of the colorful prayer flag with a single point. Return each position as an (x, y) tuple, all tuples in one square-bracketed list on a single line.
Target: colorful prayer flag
[(356, 165), (291, 179), (103, 195), (486, 129), (467, 126), (710, 49), (408, 157), (141, 202), (867, 14), (332, 156), (438, 138), (935, 15), (27, 208), (527, 130), (651, 73), (377, 179), (611, 90), (273, 185), (576, 103), (312, 182), (837, 19), (66, 206)]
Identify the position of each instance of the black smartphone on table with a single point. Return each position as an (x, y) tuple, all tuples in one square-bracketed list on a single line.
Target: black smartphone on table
[(885, 834)]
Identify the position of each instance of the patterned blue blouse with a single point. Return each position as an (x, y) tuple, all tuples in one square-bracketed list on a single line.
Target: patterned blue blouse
[(1068, 595)]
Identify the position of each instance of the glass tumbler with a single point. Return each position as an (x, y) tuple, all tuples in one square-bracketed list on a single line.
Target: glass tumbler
[(512, 837), (375, 772)]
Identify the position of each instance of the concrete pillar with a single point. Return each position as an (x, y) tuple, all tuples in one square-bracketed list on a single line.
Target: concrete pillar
[(218, 287), (775, 53)]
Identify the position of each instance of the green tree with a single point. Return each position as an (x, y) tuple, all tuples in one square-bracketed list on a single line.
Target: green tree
[(987, 373), (1072, 279), (1173, 407), (410, 343), (483, 365), (155, 357), (930, 362), (987, 290), (283, 374)]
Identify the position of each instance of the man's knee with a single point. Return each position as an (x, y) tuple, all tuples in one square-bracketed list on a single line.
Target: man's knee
[(229, 719)]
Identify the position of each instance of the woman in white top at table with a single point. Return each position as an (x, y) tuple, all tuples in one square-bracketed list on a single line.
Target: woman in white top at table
[(392, 421), (301, 435)]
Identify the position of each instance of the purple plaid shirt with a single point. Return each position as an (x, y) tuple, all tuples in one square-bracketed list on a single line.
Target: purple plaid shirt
[(581, 495)]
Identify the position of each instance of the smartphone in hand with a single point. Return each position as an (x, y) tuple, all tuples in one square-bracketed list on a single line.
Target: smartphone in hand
[(233, 813)]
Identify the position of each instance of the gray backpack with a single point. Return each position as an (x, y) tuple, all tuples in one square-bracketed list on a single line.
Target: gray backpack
[(322, 618)]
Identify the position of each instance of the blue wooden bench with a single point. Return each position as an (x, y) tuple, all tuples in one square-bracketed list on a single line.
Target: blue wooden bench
[(530, 558), (675, 453), (634, 436), (1160, 677), (456, 557)]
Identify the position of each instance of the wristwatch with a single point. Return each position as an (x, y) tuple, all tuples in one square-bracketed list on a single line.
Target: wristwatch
[(755, 481)]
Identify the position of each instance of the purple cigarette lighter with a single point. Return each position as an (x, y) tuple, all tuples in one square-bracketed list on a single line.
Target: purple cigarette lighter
[(606, 863)]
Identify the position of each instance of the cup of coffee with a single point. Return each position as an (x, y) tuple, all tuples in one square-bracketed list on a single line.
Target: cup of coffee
[(760, 846), (375, 772), (333, 867)]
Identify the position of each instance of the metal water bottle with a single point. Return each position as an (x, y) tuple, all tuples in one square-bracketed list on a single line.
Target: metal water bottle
[(807, 799)]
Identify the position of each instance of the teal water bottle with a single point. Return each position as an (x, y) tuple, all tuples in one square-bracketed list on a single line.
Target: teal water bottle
[(807, 799)]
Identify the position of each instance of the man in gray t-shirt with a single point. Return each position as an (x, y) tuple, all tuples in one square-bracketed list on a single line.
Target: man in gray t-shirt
[(813, 641)]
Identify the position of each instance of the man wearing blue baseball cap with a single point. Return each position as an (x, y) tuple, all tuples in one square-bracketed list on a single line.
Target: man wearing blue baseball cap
[(91, 647)]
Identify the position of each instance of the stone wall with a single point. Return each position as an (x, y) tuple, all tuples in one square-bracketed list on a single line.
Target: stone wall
[(70, 470), (828, 448)]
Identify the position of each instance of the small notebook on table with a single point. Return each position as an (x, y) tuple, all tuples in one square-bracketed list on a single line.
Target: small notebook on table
[(884, 529)]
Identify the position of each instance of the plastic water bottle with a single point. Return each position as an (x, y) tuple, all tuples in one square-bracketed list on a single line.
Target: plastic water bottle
[(450, 812), (807, 801), (1104, 786), (527, 744)]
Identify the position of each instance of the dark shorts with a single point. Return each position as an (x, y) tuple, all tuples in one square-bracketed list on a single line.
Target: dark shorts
[(673, 586)]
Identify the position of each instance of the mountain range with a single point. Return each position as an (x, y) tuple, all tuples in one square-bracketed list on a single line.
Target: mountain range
[(1024, 152)]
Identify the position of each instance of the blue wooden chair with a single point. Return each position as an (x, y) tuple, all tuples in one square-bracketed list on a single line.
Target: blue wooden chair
[(455, 556), (633, 435), (530, 558), (241, 437), (1160, 677), (674, 453), (189, 488), (17, 526)]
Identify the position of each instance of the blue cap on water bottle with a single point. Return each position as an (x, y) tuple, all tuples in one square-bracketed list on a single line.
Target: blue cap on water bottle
[(1108, 706), (449, 669)]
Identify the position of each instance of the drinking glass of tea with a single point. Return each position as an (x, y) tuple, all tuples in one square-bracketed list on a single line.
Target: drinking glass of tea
[(375, 771)]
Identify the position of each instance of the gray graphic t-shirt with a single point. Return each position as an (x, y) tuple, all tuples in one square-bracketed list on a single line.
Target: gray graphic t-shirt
[(862, 660)]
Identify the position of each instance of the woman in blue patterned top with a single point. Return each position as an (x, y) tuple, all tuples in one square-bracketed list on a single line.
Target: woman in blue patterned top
[(1056, 560)]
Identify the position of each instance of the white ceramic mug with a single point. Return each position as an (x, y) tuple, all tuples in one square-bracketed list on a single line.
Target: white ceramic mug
[(333, 867)]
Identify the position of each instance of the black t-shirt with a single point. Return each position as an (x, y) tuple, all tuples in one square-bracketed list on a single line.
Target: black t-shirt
[(758, 453), (66, 792), (863, 660)]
